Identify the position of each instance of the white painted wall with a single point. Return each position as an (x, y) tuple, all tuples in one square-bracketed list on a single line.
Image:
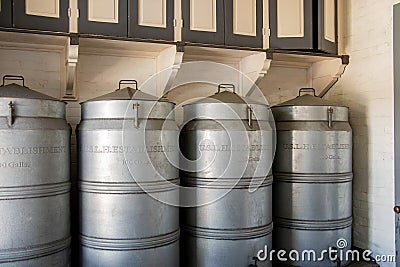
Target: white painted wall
[(366, 34)]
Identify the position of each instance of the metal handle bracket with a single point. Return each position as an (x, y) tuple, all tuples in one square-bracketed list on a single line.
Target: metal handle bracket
[(330, 117), (136, 109), (10, 118), (250, 116)]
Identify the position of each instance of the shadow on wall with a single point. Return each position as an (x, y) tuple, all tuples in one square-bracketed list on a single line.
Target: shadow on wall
[(361, 169), (278, 87)]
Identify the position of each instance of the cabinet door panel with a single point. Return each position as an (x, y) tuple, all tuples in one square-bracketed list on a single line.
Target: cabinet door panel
[(291, 24), (104, 17), (6, 13), (46, 15), (243, 23), (327, 26), (151, 19), (203, 21)]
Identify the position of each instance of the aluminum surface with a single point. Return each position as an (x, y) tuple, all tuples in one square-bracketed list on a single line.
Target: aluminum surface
[(312, 192), (231, 152), (123, 157), (35, 179)]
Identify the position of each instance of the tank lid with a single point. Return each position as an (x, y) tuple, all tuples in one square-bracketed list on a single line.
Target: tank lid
[(306, 99), (14, 90), (127, 93), (226, 97)]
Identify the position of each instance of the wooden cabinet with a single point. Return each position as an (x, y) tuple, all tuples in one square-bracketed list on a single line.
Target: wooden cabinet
[(45, 15), (327, 39), (304, 25), (144, 19), (244, 23), (103, 17), (151, 19), (6, 13), (223, 22), (203, 21)]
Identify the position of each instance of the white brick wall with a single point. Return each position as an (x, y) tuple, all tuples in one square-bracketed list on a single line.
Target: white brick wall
[(367, 88)]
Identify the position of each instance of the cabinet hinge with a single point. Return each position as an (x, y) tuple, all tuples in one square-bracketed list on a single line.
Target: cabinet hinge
[(266, 31), (178, 22), (70, 12)]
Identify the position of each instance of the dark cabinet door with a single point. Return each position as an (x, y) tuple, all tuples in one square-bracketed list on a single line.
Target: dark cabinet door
[(291, 24), (151, 19), (327, 40), (45, 15), (304, 25), (203, 21), (6, 13), (244, 23), (106, 17)]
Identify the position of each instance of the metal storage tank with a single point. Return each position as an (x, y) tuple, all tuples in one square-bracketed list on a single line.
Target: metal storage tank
[(124, 138), (229, 140), (312, 191), (34, 171)]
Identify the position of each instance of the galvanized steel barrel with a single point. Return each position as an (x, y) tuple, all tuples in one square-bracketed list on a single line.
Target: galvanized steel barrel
[(229, 141), (125, 140), (34, 184), (312, 192)]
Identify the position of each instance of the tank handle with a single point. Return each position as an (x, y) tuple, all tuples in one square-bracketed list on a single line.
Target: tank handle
[(128, 82), (226, 85), (302, 90), (13, 78)]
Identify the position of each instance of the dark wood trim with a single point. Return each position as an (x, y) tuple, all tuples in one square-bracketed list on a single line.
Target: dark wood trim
[(146, 32), (292, 43), (321, 43), (23, 21), (188, 35), (242, 40), (3, 29), (128, 39), (224, 46), (104, 28), (272, 51), (6, 13)]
